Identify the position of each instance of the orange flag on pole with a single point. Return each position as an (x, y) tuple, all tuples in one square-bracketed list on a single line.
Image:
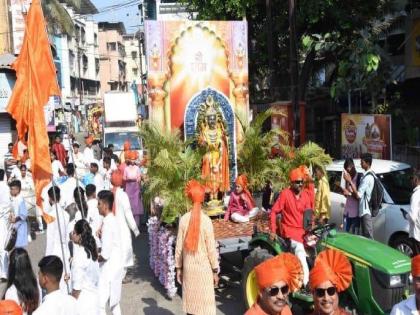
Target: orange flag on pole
[(36, 82)]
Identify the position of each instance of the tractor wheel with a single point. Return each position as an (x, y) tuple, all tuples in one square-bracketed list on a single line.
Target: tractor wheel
[(249, 281)]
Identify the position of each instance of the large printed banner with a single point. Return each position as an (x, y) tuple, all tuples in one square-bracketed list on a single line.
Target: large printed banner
[(188, 60), (362, 133)]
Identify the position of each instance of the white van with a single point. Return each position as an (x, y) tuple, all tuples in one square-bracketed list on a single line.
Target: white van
[(389, 226)]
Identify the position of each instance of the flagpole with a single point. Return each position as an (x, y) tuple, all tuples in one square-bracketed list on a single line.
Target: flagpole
[(59, 232)]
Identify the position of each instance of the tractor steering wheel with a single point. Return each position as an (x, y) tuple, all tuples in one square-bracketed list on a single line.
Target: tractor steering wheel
[(321, 229)]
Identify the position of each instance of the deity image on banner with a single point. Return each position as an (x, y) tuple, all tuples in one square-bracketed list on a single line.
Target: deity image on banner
[(213, 138)]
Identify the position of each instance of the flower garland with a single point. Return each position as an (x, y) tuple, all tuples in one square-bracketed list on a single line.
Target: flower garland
[(162, 259)]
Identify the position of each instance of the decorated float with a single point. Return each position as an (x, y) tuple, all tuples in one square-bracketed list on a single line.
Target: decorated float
[(199, 129)]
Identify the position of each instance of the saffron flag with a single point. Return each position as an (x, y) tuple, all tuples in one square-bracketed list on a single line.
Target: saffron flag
[(36, 82)]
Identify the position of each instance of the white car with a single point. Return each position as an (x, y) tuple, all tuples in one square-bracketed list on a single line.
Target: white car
[(389, 226)]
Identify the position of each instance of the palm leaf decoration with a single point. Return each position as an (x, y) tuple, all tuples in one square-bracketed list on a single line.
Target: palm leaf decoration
[(254, 152), (172, 164), (58, 19)]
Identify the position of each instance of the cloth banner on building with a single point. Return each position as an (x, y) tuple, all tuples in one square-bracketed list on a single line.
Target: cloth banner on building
[(364, 133)]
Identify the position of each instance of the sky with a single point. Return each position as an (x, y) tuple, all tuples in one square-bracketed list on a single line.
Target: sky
[(127, 14)]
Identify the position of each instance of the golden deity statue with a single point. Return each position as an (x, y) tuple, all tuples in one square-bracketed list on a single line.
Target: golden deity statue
[(215, 164)]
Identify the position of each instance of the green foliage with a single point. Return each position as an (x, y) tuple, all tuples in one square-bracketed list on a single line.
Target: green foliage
[(254, 155), (172, 164), (58, 19), (254, 151)]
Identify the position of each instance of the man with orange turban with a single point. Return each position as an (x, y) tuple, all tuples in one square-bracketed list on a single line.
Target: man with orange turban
[(291, 204), (276, 278), (196, 258), (241, 205), (331, 275), (125, 219), (88, 155), (411, 304)]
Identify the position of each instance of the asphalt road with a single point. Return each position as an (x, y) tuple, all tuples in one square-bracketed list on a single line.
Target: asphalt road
[(144, 294)]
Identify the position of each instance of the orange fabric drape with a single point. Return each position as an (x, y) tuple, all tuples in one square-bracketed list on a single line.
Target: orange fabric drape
[(194, 191), (36, 82)]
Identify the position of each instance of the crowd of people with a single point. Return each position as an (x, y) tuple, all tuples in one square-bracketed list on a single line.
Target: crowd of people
[(93, 205), (90, 209)]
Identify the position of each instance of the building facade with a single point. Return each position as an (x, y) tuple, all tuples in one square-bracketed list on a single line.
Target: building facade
[(112, 53)]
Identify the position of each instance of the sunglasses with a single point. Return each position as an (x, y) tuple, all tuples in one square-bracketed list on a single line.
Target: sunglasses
[(298, 182), (274, 291), (321, 292)]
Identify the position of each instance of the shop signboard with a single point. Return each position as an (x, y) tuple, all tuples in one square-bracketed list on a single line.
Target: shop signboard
[(366, 133)]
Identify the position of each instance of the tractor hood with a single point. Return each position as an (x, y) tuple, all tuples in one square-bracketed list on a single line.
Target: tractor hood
[(369, 252)]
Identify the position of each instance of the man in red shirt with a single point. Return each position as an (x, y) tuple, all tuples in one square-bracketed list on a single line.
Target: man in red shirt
[(291, 204), (60, 151)]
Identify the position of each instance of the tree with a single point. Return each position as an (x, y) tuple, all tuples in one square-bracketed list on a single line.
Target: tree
[(328, 31), (58, 19)]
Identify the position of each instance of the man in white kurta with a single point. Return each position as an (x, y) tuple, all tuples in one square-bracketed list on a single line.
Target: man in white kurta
[(78, 159), (55, 302), (126, 222), (110, 259), (88, 152), (68, 186), (410, 305), (57, 232), (5, 208)]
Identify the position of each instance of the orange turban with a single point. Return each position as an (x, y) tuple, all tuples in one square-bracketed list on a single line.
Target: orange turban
[(331, 265), (89, 140), (415, 266), (127, 145), (9, 307), (116, 178), (305, 171), (131, 155), (242, 181), (196, 192), (284, 267), (295, 174)]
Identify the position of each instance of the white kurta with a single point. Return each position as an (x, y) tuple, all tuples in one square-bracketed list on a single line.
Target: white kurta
[(67, 191), (28, 193), (85, 278), (94, 219), (57, 303), (98, 181), (79, 163), (406, 307), (5, 207), (110, 281), (88, 156), (56, 167), (53, 238), (126, 222)]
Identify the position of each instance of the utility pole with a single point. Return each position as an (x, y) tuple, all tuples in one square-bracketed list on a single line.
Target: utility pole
[(294, 92), (270, 47)]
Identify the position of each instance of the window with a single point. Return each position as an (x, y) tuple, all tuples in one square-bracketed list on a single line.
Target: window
[(95, 39), (111, 46), (85, 62), (135, 71), (71, 60), (97, 65), (334, 179), (398, 185), (134, 54), (83, 35)]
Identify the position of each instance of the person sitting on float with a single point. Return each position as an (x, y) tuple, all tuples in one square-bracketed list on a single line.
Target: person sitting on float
[(241, 205)]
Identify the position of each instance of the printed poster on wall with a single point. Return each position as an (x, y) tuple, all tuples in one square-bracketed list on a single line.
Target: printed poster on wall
[(364, 133)]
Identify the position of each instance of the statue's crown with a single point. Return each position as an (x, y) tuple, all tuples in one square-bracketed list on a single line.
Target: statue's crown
[(210, 111)]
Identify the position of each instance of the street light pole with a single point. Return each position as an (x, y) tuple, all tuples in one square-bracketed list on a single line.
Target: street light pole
[(294, 92)]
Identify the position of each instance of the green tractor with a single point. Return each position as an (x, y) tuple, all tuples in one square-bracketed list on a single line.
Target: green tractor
[(381, 274)]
